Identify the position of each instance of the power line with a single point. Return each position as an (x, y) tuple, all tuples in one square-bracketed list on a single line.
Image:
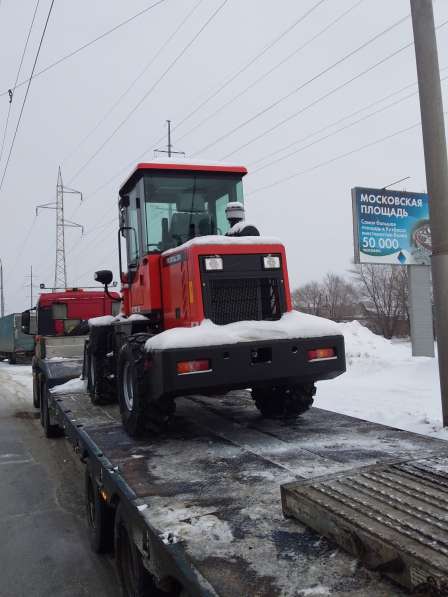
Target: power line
[(336, 122), (252, 61), (271, 70), (22, 246), (152, 88), (326, 95), (318, 100), (334, 159), (337, 131), (26, 94), (305, 84), (133, 83), (12, 90), (378, 63), (223, 86), (370, 115), (86, 45)]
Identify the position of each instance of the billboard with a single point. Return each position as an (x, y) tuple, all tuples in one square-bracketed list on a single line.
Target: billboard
[(391, 227)]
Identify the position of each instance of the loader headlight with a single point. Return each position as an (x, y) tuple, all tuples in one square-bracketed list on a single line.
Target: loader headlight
[(213, 263), (271, 262)]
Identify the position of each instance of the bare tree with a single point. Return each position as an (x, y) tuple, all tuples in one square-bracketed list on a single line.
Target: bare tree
[(309, 298), (385, 292), (334, 297), (340, 296)]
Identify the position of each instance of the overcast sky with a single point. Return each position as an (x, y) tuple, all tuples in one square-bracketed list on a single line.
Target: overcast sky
[(310, 212)]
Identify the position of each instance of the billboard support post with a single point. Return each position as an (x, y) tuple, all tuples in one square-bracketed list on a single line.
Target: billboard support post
[(434, 142), (420, 311)]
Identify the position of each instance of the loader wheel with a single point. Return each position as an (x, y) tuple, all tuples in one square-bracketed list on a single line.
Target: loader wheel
[(100, 519), (138, 412), (135, 580), (283, 402), (100, 390)]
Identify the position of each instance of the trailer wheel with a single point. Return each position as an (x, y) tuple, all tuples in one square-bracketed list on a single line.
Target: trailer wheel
[(134, 578), (12, 359), (50, 430), (100, 518), (283, 402), (36, 389)]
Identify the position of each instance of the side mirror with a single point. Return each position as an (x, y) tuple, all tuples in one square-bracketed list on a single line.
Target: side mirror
[(104, 276), (25, 323)]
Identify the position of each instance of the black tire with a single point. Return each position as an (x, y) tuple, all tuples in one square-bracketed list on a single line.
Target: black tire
[(138, 412), (134, 578), (36, 389), (12, 359), (283, 402), (50, 430), (99, 388), (100, 519)]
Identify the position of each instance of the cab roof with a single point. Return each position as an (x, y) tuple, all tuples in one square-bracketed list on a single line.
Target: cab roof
[(178, 165)]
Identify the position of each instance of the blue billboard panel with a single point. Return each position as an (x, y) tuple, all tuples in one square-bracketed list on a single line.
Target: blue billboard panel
[(391, 227)]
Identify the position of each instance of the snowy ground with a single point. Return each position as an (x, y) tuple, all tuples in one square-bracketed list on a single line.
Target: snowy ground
[(383, 383)]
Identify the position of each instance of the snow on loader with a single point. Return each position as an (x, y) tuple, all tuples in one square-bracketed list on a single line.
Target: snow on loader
[(206, 305)]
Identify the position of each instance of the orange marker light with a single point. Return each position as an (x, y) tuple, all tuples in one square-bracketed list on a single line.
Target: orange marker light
[(321, 354), (188, 367)]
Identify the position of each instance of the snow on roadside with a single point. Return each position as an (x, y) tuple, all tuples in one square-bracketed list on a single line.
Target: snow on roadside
[(385, 384), (22, 374)]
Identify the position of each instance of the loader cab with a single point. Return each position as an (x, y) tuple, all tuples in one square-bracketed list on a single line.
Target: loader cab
[(163, 206)]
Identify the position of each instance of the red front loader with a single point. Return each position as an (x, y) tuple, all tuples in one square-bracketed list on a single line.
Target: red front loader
[(182, 268)]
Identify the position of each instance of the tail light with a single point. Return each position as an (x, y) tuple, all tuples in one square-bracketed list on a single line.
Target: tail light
[(321, 354), (188, 367)]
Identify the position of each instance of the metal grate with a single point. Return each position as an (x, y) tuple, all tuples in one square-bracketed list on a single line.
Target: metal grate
[(246, 299), (393, 517)]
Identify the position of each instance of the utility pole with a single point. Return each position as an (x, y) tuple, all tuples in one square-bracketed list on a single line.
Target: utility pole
[(2, 292), (169, 148), (30, 276), (434, 142), (60, 271)]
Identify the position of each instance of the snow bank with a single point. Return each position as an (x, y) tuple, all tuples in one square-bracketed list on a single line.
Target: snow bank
[(361, 344), (385, 384), (215, 239), (291, 325), (73, 386)]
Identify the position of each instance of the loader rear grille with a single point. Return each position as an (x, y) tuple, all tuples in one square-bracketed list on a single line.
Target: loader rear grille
[(242, 299)]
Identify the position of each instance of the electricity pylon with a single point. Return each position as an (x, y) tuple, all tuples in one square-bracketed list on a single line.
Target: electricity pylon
[(60, 271)]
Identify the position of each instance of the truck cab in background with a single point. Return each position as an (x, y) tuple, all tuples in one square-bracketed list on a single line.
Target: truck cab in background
[(60, 325)]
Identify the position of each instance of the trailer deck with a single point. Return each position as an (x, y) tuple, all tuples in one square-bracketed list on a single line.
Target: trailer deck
[(206, 498)]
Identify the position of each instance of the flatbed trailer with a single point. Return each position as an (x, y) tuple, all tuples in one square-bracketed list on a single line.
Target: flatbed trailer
[(202, 504)]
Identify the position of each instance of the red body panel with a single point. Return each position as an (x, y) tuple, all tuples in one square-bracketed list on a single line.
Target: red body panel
[(181, 279), (145, 293)]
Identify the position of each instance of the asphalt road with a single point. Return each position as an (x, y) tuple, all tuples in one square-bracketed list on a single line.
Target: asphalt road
[(44, 549)]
